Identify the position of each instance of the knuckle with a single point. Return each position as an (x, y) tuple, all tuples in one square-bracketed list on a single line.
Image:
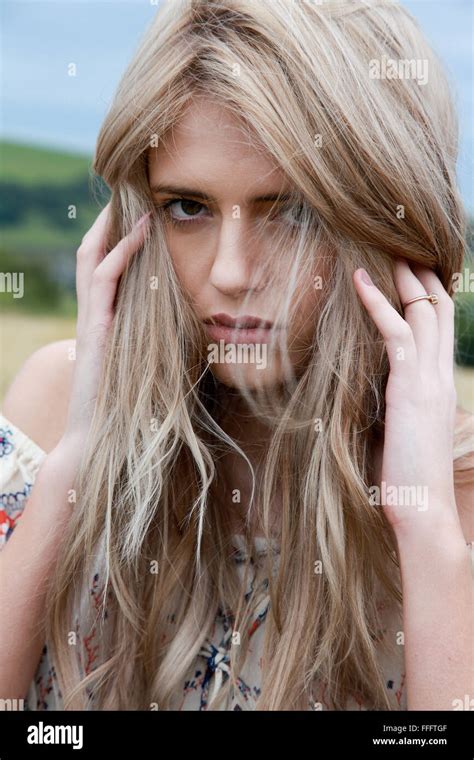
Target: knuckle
[(122, 246), (81, 252), (100, 277), (402, 333)]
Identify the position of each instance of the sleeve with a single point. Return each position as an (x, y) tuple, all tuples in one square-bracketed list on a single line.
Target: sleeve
[(20, 459)]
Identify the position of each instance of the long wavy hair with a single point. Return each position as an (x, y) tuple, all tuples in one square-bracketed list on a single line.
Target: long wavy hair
[(150, 507)]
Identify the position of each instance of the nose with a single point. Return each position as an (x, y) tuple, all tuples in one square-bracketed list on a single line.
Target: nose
[(233, 270)]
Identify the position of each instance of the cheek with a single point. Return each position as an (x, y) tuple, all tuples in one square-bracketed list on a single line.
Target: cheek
[(311, 300), (189, 262), (306, 314)]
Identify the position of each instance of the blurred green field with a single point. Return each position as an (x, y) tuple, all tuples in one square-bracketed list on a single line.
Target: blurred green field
[(49, 200), (31, 165), (36, 233)]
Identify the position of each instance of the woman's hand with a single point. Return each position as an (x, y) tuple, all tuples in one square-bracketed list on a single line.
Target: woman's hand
[(417, 463), (97, 277)]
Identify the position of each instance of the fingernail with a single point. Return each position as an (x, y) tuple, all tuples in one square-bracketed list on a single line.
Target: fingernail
[(365, 278), (143, 219)]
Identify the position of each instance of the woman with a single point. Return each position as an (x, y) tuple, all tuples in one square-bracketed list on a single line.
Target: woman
[(261, 495)]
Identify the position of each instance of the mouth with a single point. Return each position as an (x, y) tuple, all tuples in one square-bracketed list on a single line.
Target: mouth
[(241, 329)]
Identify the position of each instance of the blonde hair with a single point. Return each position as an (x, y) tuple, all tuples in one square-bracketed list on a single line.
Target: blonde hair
[(148, 490)]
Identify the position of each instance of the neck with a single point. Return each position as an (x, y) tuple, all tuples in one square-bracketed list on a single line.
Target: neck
[(253, 436)]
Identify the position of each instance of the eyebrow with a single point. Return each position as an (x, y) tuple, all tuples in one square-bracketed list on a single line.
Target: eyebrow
[(176, 190)]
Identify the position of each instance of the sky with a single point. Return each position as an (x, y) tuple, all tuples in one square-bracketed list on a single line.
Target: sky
[(42, 105)]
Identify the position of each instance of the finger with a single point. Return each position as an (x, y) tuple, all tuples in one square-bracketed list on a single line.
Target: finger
[(444, 310), (397, 334), (420, 315), (107, 273), (89, 254)]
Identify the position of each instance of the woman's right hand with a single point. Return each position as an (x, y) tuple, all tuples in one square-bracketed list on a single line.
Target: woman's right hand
[(97, 278)]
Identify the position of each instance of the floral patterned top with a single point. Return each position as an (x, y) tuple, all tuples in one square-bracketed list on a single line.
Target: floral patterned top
[(20, 459)]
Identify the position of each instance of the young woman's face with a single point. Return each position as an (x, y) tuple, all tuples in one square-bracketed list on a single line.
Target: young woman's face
[(212, 180)]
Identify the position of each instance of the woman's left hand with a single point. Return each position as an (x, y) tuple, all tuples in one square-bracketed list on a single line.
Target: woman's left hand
[(417, 462)]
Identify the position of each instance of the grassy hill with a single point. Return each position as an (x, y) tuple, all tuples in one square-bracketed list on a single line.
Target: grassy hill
[(33, 166), (38, 187), (39, 235)]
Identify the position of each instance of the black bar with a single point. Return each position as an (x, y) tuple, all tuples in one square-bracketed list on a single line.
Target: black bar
[(372, 734)]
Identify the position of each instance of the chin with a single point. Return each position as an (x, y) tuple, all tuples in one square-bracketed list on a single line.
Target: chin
[(248, 375)]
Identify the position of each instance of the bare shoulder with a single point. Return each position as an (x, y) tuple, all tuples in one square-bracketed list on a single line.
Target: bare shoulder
[(38, 397), (464, 488)]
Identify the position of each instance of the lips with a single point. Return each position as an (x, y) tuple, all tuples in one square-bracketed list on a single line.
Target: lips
[(242, 322), (242, 329)]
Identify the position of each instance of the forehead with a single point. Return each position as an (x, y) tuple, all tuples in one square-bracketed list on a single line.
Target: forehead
[(211, 146)]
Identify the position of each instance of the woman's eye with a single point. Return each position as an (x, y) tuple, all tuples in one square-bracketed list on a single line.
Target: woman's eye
[(183, 210), (289, 213), (293, 213)]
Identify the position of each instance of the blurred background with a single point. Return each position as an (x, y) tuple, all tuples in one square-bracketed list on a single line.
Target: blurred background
[(60, 63)]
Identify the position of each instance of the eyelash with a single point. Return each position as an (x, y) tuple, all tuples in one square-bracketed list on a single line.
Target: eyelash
[(178, 222), (186, 222)]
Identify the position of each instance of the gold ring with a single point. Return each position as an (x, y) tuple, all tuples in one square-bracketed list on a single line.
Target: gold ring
[(432, 298)]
